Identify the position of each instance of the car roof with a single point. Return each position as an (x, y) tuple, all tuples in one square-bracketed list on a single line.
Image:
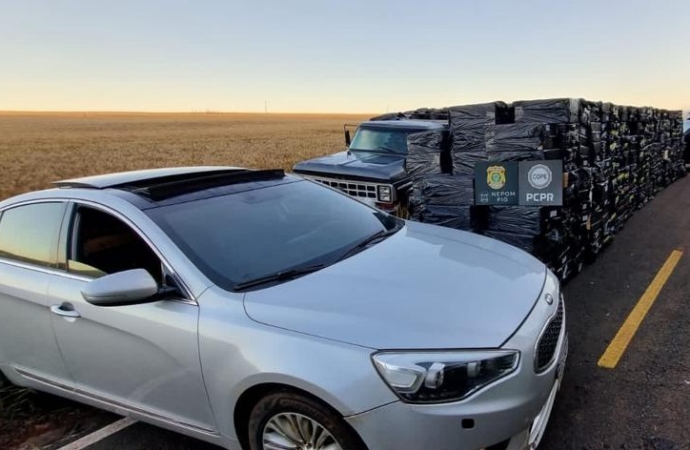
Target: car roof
[(137, 176), (147, 189), (406, 124)]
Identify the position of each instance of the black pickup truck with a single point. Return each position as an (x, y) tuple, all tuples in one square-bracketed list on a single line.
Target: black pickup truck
[(373, 166)]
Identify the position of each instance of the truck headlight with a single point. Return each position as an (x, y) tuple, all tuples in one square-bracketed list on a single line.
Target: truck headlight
[(436, 377), (385, 194)]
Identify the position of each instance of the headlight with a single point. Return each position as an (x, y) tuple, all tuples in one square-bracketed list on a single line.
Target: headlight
[(385, 194), (436, 377)]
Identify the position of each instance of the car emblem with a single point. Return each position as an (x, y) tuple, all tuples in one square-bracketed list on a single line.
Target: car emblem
[(549, 299)]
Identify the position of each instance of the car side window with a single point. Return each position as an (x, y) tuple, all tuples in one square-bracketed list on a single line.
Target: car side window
[(102, 244), (29, 233)]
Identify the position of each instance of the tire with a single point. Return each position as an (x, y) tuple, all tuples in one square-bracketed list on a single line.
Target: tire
[(284, 410)]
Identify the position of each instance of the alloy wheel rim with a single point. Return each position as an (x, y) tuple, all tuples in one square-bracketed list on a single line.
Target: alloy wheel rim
[(292, 431)]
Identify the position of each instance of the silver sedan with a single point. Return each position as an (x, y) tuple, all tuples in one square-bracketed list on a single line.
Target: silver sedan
[(258, 310)]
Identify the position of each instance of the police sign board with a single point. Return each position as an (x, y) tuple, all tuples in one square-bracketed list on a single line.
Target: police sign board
[(496, 183), (527, 183), (541, 183)]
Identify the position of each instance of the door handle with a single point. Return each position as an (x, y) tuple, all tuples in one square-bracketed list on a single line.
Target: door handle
[(65, 310)]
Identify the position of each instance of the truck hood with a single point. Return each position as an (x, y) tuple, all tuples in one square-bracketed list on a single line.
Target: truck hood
[(384, 167), (425, 287)]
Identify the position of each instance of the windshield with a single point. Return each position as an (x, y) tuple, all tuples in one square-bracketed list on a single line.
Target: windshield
[(238, 238), (381, 140)]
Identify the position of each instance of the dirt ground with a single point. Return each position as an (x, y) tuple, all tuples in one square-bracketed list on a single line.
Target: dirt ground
[(30, 420)]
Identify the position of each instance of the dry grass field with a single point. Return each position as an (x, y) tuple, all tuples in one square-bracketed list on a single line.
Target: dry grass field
[(37, 148)]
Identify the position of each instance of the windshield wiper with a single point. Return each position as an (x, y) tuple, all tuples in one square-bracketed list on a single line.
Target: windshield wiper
[(283, 275), (378, 236)]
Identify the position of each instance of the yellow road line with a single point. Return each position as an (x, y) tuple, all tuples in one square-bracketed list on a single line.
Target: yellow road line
[(617, 347)]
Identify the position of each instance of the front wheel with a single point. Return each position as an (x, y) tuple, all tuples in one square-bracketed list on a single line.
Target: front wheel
[(287, 421)]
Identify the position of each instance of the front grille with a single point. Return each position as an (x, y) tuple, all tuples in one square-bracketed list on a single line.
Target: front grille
[(548, 341), (352, 188)]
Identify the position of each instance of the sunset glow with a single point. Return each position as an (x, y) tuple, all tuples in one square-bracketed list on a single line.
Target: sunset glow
[(316, 56)]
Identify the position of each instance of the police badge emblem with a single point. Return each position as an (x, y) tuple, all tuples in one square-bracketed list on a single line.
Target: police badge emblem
[(496, 176)]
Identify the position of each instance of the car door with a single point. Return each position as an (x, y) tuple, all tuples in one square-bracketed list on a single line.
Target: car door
[(28, 260), (144, 357)]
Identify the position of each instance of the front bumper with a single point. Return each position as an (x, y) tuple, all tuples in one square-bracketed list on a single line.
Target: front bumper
[(511, 414)]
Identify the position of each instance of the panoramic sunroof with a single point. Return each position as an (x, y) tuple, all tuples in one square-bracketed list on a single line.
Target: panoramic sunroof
[(161, 189)]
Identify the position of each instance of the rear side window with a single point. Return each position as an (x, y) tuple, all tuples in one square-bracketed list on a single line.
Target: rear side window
[(29, 233)]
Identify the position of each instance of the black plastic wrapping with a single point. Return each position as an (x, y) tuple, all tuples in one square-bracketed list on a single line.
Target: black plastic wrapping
[(468, 124), (552, 247), (506, 132), (533, 155), (428, 114), (464, 162), (515, 138), (425, 154), (589, 111), (468, 139), (462, 143), (615, 158), (556, 110), (469, 116), (515, 219), (457, 217), (446, 190)]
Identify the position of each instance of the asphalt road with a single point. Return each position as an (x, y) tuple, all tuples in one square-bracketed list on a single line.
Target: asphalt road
[(644, 403)]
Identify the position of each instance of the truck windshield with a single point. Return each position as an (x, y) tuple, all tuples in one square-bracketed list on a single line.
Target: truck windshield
[(383, 141)]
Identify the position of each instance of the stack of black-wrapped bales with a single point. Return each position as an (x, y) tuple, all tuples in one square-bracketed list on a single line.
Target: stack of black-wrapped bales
[(615, 159)]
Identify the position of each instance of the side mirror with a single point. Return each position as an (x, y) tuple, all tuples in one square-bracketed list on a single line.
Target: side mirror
[(130, 287), (348, 140)]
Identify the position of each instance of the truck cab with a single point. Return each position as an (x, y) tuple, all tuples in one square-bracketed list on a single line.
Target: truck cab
[(372, 169)]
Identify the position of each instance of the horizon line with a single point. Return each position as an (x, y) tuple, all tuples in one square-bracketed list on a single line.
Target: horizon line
[(220, 111), (211, 111), (133, 111)]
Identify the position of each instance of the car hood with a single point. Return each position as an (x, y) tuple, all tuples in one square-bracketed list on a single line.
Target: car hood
[(424, 287), (383, 167)]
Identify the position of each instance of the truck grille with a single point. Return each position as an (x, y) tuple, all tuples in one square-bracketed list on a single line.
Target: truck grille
[(352, 188), (546, 348)]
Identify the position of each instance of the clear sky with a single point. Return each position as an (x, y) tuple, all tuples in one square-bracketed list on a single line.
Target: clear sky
[(338, 56)]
